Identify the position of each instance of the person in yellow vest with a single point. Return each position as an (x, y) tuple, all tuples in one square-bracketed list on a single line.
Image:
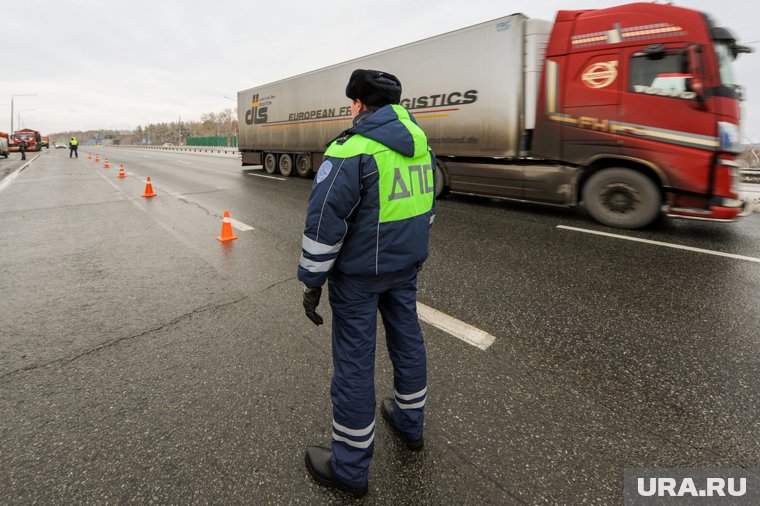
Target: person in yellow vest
[(366, 234), (73, 146)]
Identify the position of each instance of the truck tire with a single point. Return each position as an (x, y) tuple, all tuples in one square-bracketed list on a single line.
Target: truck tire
[(270, 163), (286, 164), (622, 198), (303, 165), (441, 188)]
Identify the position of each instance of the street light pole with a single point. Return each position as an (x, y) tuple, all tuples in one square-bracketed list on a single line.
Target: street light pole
[(229, 125), (13, 97), (148, 127), (18, 115)]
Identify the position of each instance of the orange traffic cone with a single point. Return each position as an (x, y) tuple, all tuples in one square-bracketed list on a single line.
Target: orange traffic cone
[(227, 234), (148, 189), (89, 156), (97, 158), (121, 175), (106, 165)]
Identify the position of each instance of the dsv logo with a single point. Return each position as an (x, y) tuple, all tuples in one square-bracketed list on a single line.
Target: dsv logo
[(256, 115)]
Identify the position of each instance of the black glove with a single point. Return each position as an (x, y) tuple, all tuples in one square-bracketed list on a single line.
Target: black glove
[(310, 302)]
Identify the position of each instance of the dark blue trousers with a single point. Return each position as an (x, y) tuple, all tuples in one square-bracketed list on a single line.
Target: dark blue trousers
[(355, 301)]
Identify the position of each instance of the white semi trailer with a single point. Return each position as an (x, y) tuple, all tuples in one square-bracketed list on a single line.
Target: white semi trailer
[(465, 111)]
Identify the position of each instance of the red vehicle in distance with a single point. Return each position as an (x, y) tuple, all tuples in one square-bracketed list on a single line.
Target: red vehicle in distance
[(32, 137)]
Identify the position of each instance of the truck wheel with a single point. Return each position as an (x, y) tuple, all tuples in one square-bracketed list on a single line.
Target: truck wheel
[(441, 189), (303, 165), (286, 165), (270, 163), (622, 198)]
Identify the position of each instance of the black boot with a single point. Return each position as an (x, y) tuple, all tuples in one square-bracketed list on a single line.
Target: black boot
[(319, 467), (386, 408)]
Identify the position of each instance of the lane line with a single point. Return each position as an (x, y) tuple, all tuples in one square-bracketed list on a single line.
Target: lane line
[(7, 180), (268, 177), (457, 328), (665, 244), (239, 225)]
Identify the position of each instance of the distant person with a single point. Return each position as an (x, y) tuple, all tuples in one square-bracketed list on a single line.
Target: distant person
[(367, 229), (73, 147), (22, 147)]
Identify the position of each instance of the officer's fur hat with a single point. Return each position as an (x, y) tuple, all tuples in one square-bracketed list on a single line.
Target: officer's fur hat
[(374, 88)]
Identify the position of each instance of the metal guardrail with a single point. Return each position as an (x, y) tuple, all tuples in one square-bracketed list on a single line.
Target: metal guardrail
[(190, 149)]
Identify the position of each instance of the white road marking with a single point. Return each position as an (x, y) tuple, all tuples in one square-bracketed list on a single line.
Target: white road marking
[(457, 328), (183, 161), (13, 175), (665, 244), (239, 225), (268, 177)]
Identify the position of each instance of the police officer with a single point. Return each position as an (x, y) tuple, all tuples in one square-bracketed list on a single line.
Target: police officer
[(74, 147), (22, 144), (367, 228)]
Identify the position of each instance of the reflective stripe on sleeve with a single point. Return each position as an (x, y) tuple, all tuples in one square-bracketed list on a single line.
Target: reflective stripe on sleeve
[(318, 248), (312, 266)]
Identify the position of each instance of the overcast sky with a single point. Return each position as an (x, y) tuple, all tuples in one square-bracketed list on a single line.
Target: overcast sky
[(118, 65)]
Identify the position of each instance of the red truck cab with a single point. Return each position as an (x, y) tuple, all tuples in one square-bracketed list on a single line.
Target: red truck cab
[(643, 98), (32, 137)]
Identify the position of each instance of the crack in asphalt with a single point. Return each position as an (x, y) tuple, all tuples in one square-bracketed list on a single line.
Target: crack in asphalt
[(462, 458), (194, 203), (615, 412), (67, 206), (278, 283), (180, 195), (113, 342)]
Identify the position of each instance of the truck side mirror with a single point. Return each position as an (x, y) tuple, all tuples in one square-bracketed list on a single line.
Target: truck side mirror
[(694, 61), (737, 49)]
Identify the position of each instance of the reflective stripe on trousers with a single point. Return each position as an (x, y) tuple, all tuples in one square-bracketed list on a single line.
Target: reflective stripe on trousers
[(355, 301)]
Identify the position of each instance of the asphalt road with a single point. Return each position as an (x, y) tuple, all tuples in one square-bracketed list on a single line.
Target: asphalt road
[(142, 361)]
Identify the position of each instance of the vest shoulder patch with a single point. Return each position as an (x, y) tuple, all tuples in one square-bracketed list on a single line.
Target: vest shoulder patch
[(324, 171)]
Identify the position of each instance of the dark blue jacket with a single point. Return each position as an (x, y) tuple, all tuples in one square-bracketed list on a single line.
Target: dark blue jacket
[(372, 203)]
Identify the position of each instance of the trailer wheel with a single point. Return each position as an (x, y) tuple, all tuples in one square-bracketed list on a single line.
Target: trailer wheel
[(441, 188), (303, 165), (270, 163), (286, 164), (622, 198)]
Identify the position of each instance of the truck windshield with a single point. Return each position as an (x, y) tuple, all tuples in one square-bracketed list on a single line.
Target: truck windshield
[(725, 62)]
